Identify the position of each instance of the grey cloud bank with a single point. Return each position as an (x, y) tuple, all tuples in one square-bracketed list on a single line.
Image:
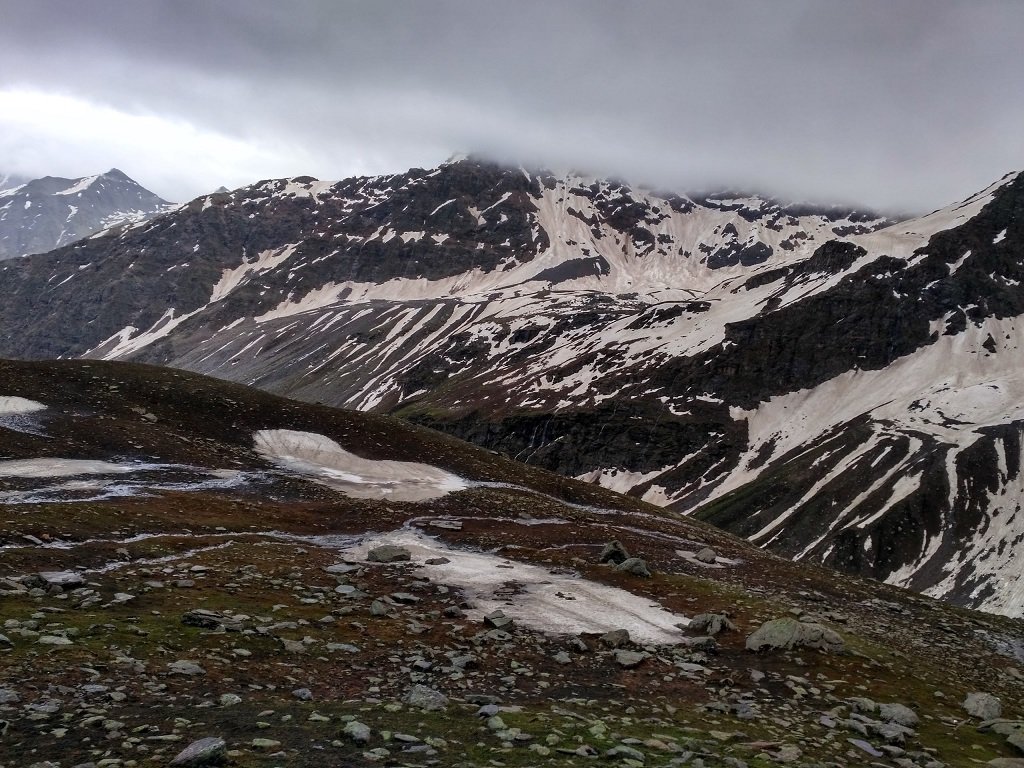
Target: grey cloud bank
[(897, 105)]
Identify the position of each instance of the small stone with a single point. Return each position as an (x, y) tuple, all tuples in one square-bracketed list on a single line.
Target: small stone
[(265, 744), (229, 699), (303, 694)]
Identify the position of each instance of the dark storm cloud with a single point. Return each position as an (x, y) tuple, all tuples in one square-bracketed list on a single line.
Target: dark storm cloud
[(909, 104)]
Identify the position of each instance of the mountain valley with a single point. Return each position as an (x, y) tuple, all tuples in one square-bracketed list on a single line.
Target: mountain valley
[(837, 387)]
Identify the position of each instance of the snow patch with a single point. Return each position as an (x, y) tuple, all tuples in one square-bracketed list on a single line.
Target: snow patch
[(324, 461), (554, 603), (11, 405), (61, 468)]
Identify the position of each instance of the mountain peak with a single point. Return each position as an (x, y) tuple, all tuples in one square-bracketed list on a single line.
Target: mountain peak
[(46, 213)]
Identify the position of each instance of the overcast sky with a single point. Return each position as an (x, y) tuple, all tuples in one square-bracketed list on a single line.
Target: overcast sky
[(905, 105)]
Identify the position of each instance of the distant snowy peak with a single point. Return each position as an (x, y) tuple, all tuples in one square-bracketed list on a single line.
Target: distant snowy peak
[(42, 214)]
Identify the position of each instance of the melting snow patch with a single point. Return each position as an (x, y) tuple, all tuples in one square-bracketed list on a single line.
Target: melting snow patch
[(12, 405), (999, 238), (324, 461), (541, 600), (60, 468)]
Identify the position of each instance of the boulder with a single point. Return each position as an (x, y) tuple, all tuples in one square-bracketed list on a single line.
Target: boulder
[(185, 667), (711, 623), (613, 552), (635, 566), (615, 639), (899, 714), (358, 732), (209, 751), (498, 620), (629, 659), (983, 706), (62, 579), (422, 697), (707, 555), (204, 619), (388, 553), (787, 633)]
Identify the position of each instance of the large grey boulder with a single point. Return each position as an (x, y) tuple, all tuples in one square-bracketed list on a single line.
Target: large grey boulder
[(426, 698), (62, 579), (899, 714), (787, 633), (208, 751), (358, 732), (983, 706)]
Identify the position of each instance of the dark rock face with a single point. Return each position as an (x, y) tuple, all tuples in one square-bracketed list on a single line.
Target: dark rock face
[(43, 214), (845, 399)]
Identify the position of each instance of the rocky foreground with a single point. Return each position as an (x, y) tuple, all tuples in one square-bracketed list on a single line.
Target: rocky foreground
[(203, 605)]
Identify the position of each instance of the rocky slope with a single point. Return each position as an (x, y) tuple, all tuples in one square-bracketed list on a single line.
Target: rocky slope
[(835, 387), (198, 573), (42, 214)]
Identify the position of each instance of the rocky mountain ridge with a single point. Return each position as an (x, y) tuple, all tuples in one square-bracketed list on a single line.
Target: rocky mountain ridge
[(42, 214), (836, 387)]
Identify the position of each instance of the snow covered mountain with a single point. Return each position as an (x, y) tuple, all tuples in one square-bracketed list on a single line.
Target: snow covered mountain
[(40, 215), (836, 387)]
